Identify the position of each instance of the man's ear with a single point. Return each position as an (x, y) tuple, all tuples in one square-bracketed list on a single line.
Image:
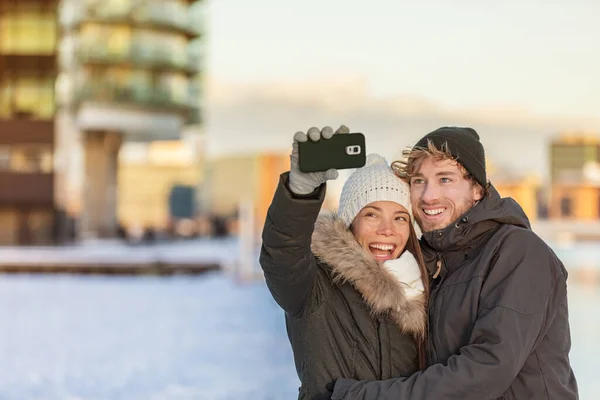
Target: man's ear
[(477, 192)]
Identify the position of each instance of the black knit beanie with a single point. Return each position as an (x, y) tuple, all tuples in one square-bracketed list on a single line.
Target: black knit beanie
[(465, 147)]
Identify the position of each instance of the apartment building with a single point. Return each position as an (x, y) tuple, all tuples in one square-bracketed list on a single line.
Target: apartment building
[(129, 73), (28, 69)]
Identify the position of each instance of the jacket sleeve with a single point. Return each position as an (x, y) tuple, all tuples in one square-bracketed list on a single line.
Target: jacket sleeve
[(289, 266), (514, 312)]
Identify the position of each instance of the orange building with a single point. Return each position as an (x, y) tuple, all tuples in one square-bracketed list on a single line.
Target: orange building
[(523, 192), (575, 173), (231, 179), (578, 201)]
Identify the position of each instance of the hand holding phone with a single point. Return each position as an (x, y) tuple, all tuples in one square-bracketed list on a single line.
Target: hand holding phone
[(306, 182)]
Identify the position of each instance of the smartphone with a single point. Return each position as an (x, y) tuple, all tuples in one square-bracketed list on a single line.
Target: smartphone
[(342, 151)]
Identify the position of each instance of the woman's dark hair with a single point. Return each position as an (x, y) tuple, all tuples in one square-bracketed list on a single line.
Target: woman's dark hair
[(413, 246)]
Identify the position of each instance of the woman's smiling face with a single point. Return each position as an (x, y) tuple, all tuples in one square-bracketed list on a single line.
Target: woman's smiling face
[(382, 228)]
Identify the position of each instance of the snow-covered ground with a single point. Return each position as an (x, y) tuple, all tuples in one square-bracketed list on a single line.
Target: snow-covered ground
[(204, 337), (210, 336), (141, 338)]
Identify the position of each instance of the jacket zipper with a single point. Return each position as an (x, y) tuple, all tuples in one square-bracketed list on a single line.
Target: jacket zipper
[(379, 333), (434, 291)]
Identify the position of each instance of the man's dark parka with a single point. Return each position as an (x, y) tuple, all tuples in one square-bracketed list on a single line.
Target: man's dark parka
[(346, 315), (498, 315)]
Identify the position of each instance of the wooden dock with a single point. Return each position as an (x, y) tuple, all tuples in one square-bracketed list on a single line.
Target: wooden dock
[(118, 258), (109, 269)]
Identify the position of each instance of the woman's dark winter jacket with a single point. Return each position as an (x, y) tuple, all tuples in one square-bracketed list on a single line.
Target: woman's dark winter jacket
[(346, 315), (498, 315)]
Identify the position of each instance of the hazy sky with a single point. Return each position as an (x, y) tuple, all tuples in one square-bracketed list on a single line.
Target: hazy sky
[(539, 55), (519, 71)]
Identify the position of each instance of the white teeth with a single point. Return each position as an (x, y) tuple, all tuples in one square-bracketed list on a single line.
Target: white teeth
[(434, 212), (382, 246)]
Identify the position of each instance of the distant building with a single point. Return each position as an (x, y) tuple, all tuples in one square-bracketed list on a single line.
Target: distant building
[(523, 187), (129, 72), (147, 181), (571, 154), (577, 201), (28, 54), (79, 79), (229, 180), (523, 192), (575, 173)]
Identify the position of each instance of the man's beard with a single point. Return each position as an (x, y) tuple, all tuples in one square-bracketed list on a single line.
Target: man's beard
[(457, 211)]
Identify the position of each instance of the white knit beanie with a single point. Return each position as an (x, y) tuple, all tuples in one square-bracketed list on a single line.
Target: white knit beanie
[(375, 181)]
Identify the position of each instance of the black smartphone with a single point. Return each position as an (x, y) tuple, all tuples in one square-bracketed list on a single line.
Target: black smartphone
[(342, 151)]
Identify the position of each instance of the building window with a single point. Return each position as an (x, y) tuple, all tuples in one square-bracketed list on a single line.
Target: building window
[(110, 8), (5, 102), (27, 28), (26, 158), (175, 88), (566, 205), (105, 40), (542, 204), (27, 96), (4, 158)]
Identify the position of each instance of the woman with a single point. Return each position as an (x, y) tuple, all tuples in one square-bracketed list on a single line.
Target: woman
[(352, 283)]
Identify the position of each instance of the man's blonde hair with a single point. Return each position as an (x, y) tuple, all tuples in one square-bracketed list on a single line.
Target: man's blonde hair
[(413, 158)]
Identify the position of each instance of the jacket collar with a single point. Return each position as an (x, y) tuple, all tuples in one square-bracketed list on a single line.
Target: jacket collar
[(464, 233)]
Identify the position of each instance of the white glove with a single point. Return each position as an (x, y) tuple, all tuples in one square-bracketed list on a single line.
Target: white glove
[(306, 182)]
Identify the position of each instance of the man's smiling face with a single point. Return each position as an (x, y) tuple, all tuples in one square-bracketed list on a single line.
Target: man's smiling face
[(440, 193)]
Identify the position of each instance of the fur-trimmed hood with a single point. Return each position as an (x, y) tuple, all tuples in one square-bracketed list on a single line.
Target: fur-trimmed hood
[(334, 244)]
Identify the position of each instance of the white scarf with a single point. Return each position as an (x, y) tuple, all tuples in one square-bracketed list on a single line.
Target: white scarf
[(406, 270)]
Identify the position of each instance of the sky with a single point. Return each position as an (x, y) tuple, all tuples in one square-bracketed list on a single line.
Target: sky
[(517, 71), (540, 55)]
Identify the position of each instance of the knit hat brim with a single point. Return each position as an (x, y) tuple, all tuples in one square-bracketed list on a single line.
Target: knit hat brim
[(464, 146)]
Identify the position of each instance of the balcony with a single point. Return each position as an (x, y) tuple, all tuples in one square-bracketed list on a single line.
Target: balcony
[(140, 55), (47, 3), (142, 113), (154, 16), (137, 95), (27, 188)]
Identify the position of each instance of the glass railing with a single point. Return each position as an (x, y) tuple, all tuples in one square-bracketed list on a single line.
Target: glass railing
[(141, 56), (161, 15), (108, 12), (141, 95), (151, 15)]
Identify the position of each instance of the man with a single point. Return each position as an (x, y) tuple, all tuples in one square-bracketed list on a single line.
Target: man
[(498, 314)]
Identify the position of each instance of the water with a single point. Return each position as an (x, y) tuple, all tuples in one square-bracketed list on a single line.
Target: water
[(177, 338)]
